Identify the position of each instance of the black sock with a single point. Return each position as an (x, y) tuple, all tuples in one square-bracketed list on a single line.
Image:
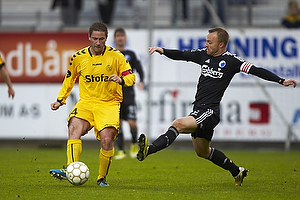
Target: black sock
[(120, 140), (219, 158), (134, 135), (164, 140)]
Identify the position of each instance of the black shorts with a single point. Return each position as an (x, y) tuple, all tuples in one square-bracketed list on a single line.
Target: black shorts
[(207, 120), (128, 111)]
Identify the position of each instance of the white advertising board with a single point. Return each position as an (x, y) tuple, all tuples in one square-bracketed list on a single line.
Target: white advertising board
[(246, 114)]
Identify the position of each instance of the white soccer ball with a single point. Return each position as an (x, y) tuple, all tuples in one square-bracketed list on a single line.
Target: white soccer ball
[(78, 173)]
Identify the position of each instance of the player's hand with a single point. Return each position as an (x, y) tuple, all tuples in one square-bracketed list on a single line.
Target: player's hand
[(288, 82), (55, 105), (141, 85), (156, 49), (115, 78), (11, 93)]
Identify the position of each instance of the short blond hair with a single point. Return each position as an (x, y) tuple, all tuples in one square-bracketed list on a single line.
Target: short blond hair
[(222, 34)]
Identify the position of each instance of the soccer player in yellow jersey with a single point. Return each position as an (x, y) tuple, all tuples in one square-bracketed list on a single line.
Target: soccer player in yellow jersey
[(102, 71), (5, 76)]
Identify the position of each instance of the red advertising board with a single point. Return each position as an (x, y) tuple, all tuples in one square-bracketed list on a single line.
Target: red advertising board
[(39, 57)]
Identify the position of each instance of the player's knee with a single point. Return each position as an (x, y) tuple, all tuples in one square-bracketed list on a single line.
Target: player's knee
[(107, 136), (74, 132), (179, 125)]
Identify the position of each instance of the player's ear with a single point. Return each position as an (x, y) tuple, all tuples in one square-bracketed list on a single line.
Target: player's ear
[(221, 45)]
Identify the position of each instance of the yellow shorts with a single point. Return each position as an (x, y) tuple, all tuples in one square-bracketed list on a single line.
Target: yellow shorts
[(99, 114)]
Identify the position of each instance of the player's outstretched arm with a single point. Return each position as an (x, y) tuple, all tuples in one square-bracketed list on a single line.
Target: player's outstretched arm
[(5, 76), (156, 49), (269, 76), (55, 105), (289, 82)]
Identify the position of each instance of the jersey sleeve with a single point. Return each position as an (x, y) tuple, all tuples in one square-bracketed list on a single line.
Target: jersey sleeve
[(245, 67), (187, 55), (237, 63), (265, 74), (69, 80), (136, 64), (129, 79), (125, 71)]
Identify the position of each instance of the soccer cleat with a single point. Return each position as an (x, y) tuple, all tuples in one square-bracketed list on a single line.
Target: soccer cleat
[(240, 177), (134, 150), (120, 155), (143, 152), (102, 182), (59, 173)]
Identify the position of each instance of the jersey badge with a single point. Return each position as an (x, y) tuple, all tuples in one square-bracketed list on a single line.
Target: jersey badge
[(108, 68), (222, 63)]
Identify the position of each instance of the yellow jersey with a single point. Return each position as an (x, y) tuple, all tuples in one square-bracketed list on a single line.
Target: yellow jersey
[(1, 62), (93, 72), (291, 18)]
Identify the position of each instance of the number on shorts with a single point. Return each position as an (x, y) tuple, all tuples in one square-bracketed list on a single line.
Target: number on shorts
[(74, 112)]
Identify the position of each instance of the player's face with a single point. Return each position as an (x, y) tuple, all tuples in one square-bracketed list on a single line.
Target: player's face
[(212, 45), (120, 39), (98, 40)]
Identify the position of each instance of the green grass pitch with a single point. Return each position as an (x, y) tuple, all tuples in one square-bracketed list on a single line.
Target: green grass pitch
[(169, 174)]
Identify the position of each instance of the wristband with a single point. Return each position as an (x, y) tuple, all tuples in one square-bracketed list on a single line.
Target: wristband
[(122, 82), (281, 81), (60, 101)]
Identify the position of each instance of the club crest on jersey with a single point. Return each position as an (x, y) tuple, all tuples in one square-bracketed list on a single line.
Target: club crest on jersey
[(108, 68), (222, 63)]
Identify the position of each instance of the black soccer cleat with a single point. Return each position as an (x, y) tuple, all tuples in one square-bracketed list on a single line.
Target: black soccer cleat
[(143, 152), (240, 177)]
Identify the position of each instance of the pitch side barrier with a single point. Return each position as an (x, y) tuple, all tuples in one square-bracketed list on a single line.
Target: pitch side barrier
[(37, 63)]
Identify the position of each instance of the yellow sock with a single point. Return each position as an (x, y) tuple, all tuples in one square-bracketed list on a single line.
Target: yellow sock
[(105, 158), (74, 149)]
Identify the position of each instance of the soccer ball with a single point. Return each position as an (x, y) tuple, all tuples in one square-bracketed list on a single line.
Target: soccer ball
[(77, 173)]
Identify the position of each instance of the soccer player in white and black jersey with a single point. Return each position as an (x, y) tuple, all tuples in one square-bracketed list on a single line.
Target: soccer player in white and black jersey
[(218, 67)]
